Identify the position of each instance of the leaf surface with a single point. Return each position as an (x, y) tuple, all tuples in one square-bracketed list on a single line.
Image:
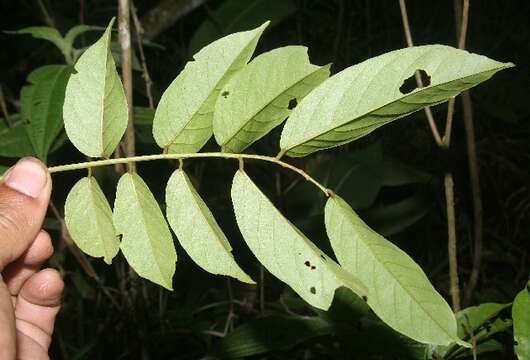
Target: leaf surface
[(183, 118), (366, 96), (284, 250), (42, 106), (521, 323), (398, 290), (198, 231), (257, 99), (88, 217), (146, 240), (95, 108), (45, 33), (14, 141)]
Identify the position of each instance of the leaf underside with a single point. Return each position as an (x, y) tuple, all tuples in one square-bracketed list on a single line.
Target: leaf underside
[(95, 109), (398, 290), (257, 99), (88, 217), (366, 96), (284, 250), (198, 231), (183, 119), (146, 242)]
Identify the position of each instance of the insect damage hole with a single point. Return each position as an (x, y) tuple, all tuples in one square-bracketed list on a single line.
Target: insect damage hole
[(292, 104), (313, 290), (410, 84), (225, 94)]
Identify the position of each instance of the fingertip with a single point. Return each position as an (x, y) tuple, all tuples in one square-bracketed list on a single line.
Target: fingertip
[(44, 288)]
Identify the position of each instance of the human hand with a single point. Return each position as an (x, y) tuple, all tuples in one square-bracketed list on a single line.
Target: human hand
[(29, 298)]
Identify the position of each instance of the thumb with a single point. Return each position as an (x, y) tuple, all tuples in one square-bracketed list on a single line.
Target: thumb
[(24, 195)]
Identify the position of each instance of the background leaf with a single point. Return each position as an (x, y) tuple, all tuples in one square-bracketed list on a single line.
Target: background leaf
[(521, 323), (284, 250), (398, 290), (146, 241), (88, 217), (95, 108), (238, 15), (269, 334), (42, 106), (257, 99), (46, 33), (198, 231), (14, 142), (183, 118), (363, 97), (3, 169)]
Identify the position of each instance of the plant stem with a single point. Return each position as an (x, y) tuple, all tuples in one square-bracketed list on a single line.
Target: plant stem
[(408, 37), (142, 158), (444, 143), (126, 74), (145, 72), (3, 105)]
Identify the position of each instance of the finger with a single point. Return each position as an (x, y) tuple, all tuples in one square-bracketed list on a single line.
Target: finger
[(38, 304), (16, 274), (24, 195), (7, 321), (27, 348)]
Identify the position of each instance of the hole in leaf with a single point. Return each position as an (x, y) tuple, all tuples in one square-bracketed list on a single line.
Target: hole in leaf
[(225, 94), (323, 257), (410, 84), (313, 290), (74, 71), (515, 343), (307, 263), (292, 104), (313, 267), (365, 298)]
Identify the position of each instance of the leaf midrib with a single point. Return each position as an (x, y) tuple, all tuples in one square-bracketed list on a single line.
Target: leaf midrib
[(256, 113), (417, 91)]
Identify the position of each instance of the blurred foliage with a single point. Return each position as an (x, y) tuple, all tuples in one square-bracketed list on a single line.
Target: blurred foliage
[(119, 316)]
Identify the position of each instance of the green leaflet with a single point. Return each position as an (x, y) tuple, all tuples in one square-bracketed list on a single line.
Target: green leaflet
[(183, 119), (95, 108), (42, 106), (88, 217), (256, 99), (363, 97), (45, 33), (197, 231), (146, 241), (14, 142), (398, 290), (284, 250), (521, 323)]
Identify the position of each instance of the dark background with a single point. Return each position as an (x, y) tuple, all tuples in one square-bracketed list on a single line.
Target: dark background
[(120, 316)]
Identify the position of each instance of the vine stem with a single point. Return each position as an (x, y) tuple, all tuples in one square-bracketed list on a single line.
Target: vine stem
[(143, 158)]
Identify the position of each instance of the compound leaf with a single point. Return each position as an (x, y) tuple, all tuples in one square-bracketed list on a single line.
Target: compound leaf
[(95, 108), (42, 106), (521, 323), (88, 217), (257, 99), (197, 231), (366, 96), (183, 119), (284, 250), (146, 240), (398, 290)]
